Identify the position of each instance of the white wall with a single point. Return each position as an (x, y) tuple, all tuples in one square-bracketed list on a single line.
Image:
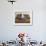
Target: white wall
[(7, 12)]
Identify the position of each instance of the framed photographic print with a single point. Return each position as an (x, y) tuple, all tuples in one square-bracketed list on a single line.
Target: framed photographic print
[(23, 18)]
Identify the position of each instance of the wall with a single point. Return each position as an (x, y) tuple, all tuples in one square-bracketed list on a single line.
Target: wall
[(9, 31)]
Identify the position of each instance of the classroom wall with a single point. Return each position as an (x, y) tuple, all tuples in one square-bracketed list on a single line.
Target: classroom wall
[(8, 31)]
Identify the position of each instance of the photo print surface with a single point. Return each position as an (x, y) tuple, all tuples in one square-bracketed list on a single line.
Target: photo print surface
[(23, 18)]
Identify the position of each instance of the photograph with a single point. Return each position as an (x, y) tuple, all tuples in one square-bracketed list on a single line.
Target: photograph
[(23, 18)]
